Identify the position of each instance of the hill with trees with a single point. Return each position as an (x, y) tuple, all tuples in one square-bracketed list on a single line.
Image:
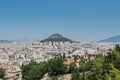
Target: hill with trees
[(56, 38)]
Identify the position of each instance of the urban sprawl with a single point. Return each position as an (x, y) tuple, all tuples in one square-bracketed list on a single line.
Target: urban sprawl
[(14, 55)]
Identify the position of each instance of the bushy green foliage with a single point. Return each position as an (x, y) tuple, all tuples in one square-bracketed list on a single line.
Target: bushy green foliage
[(2, 73), (76, 76), (33, 71), (101, 68), (57, 66), (105, 67), (117, 48), (53, 67), (72, 67)]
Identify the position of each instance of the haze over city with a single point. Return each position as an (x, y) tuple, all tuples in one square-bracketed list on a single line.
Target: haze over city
[(79, 20)]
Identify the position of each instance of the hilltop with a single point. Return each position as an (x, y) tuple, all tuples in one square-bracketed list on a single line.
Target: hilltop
[(56, 37)]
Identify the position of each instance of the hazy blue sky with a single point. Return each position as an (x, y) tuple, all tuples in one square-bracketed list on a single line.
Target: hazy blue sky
[(88, 20)]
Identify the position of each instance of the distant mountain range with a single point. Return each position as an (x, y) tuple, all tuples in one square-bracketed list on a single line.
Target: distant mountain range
[(115, 39), (56, 38), (5, 41)]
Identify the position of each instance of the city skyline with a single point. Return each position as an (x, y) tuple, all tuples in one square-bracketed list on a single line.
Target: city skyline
[(77, 20)]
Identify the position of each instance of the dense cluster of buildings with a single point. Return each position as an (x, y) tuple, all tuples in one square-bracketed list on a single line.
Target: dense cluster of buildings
[(14, 55)]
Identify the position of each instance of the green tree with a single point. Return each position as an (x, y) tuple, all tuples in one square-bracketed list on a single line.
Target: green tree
[(4, 78), (105, 68), (117, 48), (57, 66), (83, 64), (2, 73), (64, 56), (76, 75), (114, 73), (72, 67), (54, 78), (36, 70), (25, 69)]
